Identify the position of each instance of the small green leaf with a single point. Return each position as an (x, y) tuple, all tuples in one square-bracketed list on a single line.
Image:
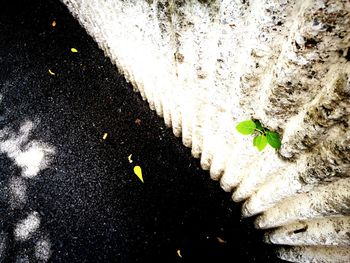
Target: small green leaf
[(258, 125), (260, 142), (254, 140), (246, 127), (273, 139)]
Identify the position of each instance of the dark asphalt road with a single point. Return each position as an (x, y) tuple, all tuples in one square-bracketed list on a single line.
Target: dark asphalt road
[(67, 195)]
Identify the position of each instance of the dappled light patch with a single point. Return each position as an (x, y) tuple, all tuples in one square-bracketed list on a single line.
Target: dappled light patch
[(3, 243), (27, 227), (18, 190), (34, 158), (43, 249), (30, 156)]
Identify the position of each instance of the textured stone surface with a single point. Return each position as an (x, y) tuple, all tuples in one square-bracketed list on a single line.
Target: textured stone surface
[(206, 65), (335, 232)]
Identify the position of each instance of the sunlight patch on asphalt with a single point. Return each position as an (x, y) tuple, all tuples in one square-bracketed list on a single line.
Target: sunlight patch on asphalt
[(27, 227), (30, 156), (3, 243), (43, 250), (33, 160), (18, 190)]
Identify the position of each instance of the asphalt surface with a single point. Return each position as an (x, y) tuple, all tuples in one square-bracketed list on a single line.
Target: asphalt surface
[(68, 195)]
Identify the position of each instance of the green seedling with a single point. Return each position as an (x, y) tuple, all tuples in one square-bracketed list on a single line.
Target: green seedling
[(262, 135)]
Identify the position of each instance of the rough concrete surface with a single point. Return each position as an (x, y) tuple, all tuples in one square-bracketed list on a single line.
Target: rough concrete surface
[(204, 66)]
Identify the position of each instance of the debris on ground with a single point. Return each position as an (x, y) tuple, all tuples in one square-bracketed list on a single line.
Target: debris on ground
[(137, 121), (220, 240), (51, 72), (129, 158), (138, 172)]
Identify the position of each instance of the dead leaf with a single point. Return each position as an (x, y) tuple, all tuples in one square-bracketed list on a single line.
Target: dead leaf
[(220, 240), (179, 253), (138, 172), (74, 50), (137, 121), (53, 24), (51, 72), (129, 158), (105, 136)]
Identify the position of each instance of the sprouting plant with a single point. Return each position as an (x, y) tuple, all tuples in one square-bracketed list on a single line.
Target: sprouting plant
[(262, 135)]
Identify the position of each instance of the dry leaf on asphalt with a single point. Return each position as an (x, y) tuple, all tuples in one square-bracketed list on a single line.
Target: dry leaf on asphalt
[(137, 121), (138, 172), (220, 240), (51, 72)]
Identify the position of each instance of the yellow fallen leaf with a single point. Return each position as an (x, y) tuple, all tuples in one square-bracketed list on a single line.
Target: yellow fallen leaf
[(52, 73), (179, 253), (138, 172), (105, 136), (74, 50), (129, 158), (53, 23)]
